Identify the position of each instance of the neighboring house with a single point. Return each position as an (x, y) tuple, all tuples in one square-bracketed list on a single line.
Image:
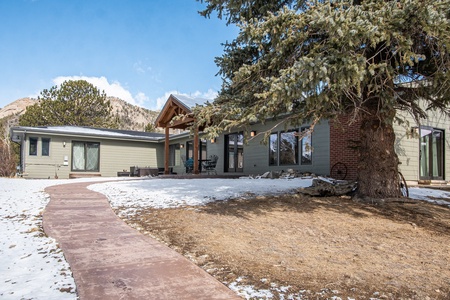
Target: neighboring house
[(65, 152)]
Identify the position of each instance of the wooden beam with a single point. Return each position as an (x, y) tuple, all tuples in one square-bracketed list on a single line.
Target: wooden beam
[(196, 142), (182, 123), (166, 152)]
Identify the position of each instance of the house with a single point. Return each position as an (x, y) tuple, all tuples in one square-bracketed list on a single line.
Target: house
[(75, 151)]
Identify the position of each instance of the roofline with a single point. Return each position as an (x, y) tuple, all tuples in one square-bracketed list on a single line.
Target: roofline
[(177, 101), (181, 102), (46, 130), (36, 130)]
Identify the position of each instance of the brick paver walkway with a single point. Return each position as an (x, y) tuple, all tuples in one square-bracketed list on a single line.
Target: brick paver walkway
[(111, 260)]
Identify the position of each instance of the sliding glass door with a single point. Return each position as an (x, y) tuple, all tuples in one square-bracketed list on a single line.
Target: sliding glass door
[(234, 152), (431, 153)]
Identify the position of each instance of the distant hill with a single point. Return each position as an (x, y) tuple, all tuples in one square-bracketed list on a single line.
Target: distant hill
[(130, 117), (17, 107)]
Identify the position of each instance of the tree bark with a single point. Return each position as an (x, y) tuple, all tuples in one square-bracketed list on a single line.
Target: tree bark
[(378, 162)]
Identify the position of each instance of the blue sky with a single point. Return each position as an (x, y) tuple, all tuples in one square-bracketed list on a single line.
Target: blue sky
[(138, 50)]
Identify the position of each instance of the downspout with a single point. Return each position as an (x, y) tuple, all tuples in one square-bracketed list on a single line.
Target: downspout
[(21, 142)]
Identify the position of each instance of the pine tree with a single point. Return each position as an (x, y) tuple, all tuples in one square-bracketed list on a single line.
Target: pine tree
[(75, 103)]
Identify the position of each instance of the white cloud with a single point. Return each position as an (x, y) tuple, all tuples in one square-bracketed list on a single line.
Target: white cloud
[(114, 89), (208, 95), (141, 98)]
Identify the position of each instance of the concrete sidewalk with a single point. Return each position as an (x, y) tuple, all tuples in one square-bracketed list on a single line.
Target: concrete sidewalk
[(110, 260)]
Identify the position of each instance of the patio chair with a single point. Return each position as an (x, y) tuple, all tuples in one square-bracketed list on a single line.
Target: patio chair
[(188, 164), (210, 165)]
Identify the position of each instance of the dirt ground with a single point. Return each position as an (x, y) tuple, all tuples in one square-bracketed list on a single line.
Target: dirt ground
[(319, 247)]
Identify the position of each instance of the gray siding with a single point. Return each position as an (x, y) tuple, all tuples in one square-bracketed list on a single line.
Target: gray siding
[(256, 153)]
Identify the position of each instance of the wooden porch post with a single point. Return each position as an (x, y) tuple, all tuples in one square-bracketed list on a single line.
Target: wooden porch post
[(196, 171), (166, 152)]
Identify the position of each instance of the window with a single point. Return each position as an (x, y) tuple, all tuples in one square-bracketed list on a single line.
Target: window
[(432, 151), (201, 149), (85, 156), (283, 148), (306, 158), (288, 148), (45, 147), (273, 149), (33, 146)]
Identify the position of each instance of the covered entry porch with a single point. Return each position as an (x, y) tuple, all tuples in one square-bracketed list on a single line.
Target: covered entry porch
[(167, 119)]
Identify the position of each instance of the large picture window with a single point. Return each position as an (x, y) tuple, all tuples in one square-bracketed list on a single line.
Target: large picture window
[(33, 146), (283, 148), (85, 156)]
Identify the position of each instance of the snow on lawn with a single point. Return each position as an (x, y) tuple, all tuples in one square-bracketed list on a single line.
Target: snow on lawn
[(435, 196), (166, 193), (31, 264)]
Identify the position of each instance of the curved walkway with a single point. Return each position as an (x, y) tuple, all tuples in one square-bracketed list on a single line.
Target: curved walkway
[(110, 260)]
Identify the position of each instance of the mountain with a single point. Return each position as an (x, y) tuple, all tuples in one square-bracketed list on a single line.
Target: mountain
[(17, 107), (130, 117)]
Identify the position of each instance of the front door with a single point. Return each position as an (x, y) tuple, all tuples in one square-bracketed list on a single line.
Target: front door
[(431, 153), (234, 152)]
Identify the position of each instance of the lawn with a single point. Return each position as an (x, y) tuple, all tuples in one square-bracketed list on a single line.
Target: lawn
[(290, 246)]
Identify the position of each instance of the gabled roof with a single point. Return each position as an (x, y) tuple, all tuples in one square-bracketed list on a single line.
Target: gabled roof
[(79, 131), (178, 105), (190, 102)]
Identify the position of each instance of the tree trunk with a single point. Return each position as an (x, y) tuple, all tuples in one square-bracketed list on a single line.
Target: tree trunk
[(378, 162)]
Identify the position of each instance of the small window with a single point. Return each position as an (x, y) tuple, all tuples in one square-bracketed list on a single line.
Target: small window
[(273, 149), (45, 147), (33, 146), (306, 158)]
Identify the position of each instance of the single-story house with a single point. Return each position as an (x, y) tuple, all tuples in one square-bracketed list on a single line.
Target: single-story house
[(64, 152)]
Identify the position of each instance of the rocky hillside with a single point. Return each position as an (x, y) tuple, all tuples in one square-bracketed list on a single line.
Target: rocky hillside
[(130, 117)]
